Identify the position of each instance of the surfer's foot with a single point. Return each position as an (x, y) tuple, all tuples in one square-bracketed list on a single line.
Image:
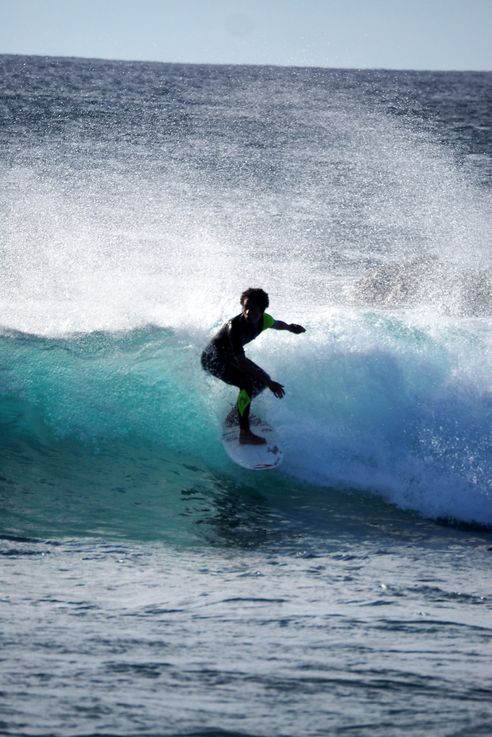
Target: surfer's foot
[(246, 437)]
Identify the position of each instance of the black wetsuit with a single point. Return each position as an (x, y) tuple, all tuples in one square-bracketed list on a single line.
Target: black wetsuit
[(220, 358)]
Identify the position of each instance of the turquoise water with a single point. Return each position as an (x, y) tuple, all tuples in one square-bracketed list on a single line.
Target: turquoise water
[(389, 408)]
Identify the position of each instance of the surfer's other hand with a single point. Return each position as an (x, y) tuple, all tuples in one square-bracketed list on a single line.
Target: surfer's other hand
[(277, 389)]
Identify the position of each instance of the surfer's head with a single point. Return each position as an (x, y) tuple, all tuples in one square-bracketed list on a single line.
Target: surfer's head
[(254, 303), (255, 296)]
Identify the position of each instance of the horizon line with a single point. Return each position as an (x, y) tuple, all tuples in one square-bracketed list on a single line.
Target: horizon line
[(247, 64)]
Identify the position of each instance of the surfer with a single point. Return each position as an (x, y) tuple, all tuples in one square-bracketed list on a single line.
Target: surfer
[(225, 359)]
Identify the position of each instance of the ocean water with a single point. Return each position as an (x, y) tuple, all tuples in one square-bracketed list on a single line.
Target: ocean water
[(148, 585)]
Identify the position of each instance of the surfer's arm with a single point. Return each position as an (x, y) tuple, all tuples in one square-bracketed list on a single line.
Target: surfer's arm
[(291, 327)]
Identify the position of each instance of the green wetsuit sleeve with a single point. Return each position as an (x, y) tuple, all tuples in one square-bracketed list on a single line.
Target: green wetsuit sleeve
[(268, 321)]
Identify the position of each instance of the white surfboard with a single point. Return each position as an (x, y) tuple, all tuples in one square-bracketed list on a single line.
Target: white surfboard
[(255, 457)]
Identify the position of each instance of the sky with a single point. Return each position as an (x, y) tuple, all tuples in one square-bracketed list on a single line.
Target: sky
[(391, 34)]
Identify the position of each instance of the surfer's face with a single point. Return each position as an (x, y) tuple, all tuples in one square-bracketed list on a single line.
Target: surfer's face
[(251, 312)]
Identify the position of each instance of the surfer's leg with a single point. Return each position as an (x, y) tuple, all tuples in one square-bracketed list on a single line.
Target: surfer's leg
[(248, 391), (246, 436), (243, 406)]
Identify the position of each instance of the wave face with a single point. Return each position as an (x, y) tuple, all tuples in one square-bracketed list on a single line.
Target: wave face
[(398, 410), (139, 200)]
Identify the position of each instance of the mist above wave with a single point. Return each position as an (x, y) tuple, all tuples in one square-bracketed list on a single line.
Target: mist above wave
[(161, 201), (428, 282)]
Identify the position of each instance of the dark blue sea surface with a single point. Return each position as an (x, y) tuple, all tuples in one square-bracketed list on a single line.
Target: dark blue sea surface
[(148, 585)]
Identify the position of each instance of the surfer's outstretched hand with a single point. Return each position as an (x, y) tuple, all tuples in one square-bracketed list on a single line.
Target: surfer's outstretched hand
[(277, 389), (293, 328)]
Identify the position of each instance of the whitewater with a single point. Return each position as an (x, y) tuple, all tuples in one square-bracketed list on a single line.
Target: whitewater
[(151, 587)]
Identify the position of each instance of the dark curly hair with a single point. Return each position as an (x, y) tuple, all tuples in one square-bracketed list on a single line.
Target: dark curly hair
[(257, 296)]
